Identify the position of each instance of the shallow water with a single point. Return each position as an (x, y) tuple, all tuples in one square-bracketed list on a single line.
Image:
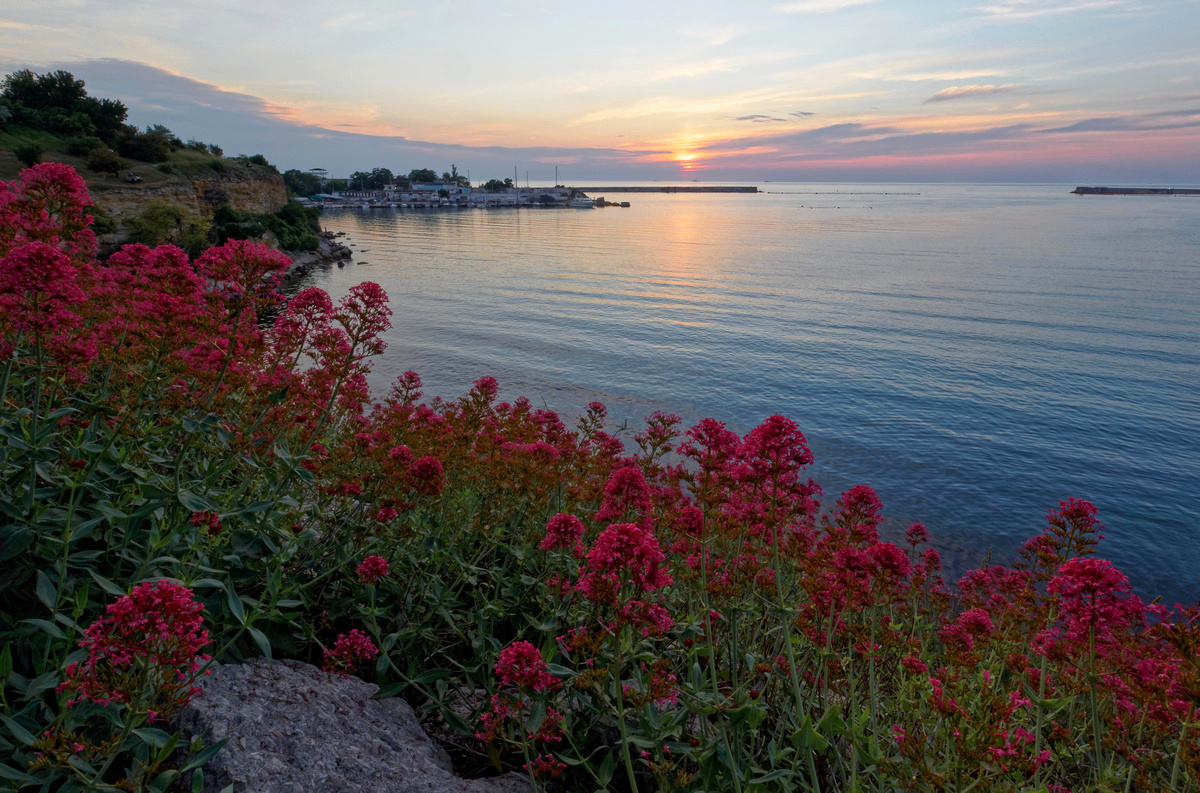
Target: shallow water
[(975, 352)]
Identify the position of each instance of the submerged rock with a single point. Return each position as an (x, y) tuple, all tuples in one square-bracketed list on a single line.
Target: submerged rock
[(293, 728)]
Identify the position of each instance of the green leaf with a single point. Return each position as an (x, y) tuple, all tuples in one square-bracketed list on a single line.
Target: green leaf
[(607, 769), (20, 733), (390, 690), (6, 664), (806, 738), (48, 627), (107, 585), (235, 603), (432, 675), (560, 671), (196, 502), (153, 737), (261, 640), (204, 755), (15, 775), (45, 590), (197, 781), (781, 773)]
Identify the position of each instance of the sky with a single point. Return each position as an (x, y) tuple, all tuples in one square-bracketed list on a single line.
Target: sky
[(1078, 91)]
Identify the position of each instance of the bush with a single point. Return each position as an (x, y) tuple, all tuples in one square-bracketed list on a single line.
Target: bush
[(681, 615), (29, 154), (106, 161), (156, 223), (294, 226), (83, 146), (146, 147)]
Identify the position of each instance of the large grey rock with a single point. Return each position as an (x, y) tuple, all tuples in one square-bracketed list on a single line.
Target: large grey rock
[(296, 729)]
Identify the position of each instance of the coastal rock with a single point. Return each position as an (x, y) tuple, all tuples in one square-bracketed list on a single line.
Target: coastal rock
[(293, 728), (329, 251), (245, 189)]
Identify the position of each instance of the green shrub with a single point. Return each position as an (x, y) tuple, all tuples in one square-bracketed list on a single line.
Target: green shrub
[(105, 161), (29, 154), (156, 223), (147, 147), (83, 146)]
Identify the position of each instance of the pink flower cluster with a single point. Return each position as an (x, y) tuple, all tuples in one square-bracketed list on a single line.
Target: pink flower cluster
[(372, 569), (349, 650), (521, 665), (148, 643)]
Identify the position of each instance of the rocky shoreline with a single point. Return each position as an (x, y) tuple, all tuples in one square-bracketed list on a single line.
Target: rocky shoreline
[(329, 251)]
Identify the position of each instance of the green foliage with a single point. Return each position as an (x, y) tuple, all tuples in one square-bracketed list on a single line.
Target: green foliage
[(57, 102), (83, 146), (302, 183), (29, 153), (103, 160), (258, 159), (156, 223), (144, 146), (455, 178), (102, 222), (496, 185), (294, 226), (371, 180), (422, 175), (215, 150)]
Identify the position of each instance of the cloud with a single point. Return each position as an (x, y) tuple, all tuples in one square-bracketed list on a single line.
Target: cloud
[(802, 113), (758, 118), (1187, 119), (969, 92), (818, 6), (1032, 9)]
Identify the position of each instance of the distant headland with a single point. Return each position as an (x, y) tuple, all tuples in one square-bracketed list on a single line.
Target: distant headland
[(1135, 191)]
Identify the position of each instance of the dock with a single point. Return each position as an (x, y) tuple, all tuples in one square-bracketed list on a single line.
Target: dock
[(687, 188), (1136, 191)]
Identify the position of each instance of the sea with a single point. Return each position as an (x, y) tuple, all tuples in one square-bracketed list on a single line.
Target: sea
[(974, 352)]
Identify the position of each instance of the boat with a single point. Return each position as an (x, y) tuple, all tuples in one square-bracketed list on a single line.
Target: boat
[(582, 202)]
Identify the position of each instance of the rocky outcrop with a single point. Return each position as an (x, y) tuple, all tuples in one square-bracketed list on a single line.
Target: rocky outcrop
[(329, 252), (253, 189), (293, 728)]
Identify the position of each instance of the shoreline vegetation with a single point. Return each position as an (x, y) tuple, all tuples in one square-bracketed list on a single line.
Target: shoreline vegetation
[(193, 473)]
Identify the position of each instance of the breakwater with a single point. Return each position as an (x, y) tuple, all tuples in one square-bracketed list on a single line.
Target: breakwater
[(1136, 191), (687, 188)]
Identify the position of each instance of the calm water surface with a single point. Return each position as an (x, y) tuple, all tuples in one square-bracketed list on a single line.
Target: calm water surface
[(974, 353)]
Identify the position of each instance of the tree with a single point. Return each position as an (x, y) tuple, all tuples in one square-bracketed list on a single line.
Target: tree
[(495, 185), (173, 141), (215, 150), (57, 102), (455, 178), (302, 183), (105, 161), (147, 147), (422, 175)]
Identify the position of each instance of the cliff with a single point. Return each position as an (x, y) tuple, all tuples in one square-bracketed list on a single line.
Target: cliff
[(254, 189)]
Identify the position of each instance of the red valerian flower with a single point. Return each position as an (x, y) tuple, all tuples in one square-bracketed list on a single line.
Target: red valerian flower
[(151, 637), (624, 551), (349, 650), (562, 531), (521, 665), (210, 520), (428, 477), (371, 569)]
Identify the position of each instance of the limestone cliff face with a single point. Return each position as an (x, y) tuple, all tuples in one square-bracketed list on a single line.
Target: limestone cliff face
[(246, 189)]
